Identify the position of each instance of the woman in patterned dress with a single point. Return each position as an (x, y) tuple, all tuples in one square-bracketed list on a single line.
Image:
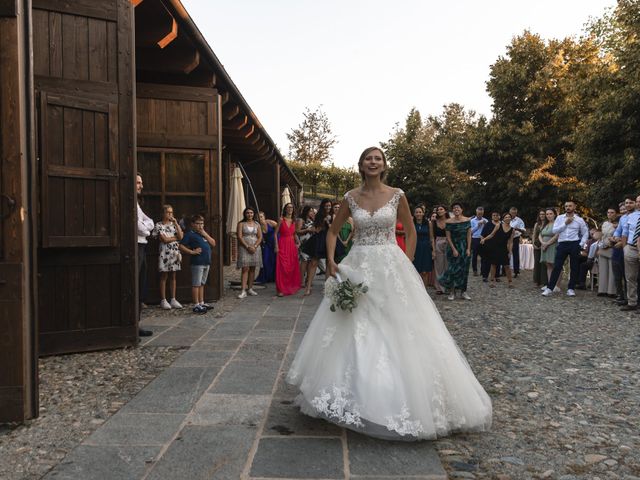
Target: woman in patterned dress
[(458, 254), (169, 232), (249, 252)]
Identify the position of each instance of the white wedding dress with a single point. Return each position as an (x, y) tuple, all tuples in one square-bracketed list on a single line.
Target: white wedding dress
[(390, 369)]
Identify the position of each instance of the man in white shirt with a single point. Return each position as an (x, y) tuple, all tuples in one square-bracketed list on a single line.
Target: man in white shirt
[(630, 237), (145, 226), (477, 224), (518, 229), (573, 234)]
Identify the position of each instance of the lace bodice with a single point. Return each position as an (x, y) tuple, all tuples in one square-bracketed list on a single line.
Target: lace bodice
[(377, 228)]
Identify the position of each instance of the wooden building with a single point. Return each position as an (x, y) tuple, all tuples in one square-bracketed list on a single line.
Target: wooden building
[(114, 88)]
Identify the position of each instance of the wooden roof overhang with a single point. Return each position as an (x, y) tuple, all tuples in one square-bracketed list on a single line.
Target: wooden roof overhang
[(171, 49)]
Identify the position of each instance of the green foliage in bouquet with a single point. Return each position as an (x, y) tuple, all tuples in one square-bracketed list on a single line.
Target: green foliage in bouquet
[(345, 295)]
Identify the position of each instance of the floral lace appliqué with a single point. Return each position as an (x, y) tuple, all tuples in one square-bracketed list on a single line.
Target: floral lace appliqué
[(327, 339), (336, 406), (401, 424)]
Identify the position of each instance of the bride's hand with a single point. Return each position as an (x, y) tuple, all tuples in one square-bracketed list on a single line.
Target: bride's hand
[(332, 268), (456, 253)]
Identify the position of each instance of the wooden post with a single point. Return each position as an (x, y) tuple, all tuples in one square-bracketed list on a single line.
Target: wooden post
[(18, 352)]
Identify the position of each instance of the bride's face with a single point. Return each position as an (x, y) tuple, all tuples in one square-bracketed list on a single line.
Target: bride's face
[(373, 164)]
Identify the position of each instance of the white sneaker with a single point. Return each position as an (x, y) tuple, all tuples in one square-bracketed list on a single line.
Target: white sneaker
[(452, 296), (252, 292), (243, 294), (571, 293), (544, 288), (164, 304), (557, 290), (465, 296), (546, 292), (175, 303)]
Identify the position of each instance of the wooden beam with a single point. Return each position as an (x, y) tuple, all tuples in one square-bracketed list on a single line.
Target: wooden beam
[(224, 98), (250, 132), (237, 123), (231, 112), (155, 26), (171, 36), (255, 138)]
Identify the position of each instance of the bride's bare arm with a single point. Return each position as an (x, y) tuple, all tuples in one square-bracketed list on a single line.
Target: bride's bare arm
[(404, 215), (332, 235)]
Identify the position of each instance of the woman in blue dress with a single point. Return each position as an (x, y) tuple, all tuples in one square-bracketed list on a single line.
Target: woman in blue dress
[(268, 270), (423, 260)]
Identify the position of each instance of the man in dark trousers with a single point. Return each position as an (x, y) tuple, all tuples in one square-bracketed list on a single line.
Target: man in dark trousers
[(145, 226)]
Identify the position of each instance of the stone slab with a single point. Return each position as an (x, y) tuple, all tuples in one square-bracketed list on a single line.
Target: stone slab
[(179, 337), (104, 462), (203, 358), (223, 409), (370, 456), (206, 452), (286, 419), (259, 352), (174, 391), (229, 330), (217, 345), (247, 378), (280, 335), (298, 458), (137, 429), (276, 323)]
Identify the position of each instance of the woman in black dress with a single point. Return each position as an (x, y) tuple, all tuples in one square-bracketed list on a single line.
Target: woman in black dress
[(316, 247), (439, 245), (499, 245)]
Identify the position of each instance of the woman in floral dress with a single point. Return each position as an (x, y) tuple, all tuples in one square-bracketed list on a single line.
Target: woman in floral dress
[(169, 232)]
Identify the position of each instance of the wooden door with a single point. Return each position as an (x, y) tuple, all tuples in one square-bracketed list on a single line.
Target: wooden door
[(18, 360), (86, 188), (179, 157)]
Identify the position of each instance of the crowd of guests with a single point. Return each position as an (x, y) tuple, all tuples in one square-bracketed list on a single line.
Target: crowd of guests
[(291, 250), (450, 246)]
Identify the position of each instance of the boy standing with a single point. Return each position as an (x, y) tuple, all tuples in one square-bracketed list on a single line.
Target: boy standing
[(198, 243)]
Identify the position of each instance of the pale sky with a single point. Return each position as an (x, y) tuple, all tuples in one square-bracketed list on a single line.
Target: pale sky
[(369, 62)]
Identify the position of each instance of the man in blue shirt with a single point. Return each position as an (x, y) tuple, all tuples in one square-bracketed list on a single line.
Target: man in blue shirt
[(198, 243), (477, 224), (630, 237), (617, 259)]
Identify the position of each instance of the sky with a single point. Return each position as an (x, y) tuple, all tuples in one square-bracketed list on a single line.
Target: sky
[(367, 63)]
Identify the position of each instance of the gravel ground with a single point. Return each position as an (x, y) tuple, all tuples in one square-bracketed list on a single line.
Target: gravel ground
[(564, 377), (78, 393)]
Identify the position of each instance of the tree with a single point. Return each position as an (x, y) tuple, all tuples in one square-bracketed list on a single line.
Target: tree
[(607, 139), (312, 141)]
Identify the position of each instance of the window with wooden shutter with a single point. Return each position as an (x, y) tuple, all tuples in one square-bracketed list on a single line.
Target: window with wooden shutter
[(79, 201)]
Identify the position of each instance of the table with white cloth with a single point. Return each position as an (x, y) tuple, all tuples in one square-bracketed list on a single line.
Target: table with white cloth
[(526, 257)]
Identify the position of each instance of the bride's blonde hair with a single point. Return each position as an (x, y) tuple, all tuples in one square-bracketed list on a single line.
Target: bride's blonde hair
[(364, 154)]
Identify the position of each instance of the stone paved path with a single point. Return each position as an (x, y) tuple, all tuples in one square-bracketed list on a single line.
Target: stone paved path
[(223, 411)]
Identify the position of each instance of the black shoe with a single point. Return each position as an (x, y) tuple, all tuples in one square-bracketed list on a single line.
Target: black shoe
[(628, 308), (144, 333), (209, 306), (602, 295), (613, 295), (485, 280), (621, 302)]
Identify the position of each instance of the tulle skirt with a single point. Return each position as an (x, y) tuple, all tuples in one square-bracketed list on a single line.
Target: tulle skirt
[(389, 369)]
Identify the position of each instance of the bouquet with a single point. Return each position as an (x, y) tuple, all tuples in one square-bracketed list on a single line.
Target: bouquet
[(343, 293)]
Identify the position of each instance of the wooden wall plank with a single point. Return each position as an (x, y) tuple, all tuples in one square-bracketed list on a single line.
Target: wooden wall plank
[(41, 43), (56, 44), (98, 50)]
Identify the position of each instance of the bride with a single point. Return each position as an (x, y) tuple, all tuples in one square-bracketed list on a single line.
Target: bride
[(389, 369)]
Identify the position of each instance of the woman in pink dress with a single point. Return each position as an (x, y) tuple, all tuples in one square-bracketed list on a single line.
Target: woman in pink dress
[(287, 267)]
